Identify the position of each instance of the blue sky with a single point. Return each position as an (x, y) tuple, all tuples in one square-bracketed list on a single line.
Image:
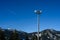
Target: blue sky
[(19, 14)]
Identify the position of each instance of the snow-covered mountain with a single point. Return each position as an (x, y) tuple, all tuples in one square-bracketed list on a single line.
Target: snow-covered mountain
[(48, 34)]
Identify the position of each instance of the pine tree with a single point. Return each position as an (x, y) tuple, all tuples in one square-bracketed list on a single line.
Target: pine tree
[(2, 37), (26, 37), (14, 35), (34, 37)]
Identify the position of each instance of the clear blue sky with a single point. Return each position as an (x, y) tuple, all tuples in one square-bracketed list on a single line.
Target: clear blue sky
[(19, 14)]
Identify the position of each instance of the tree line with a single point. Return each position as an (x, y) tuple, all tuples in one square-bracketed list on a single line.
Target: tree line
[(14, 35)]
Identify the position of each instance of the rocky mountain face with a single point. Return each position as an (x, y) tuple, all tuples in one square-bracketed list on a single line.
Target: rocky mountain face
[(48, 34)]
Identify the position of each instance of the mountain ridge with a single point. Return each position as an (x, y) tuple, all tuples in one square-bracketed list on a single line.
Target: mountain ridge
[(48, 34)]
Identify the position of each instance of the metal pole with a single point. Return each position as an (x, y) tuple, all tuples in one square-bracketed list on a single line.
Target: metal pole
[(38, 12), (38, 24)]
